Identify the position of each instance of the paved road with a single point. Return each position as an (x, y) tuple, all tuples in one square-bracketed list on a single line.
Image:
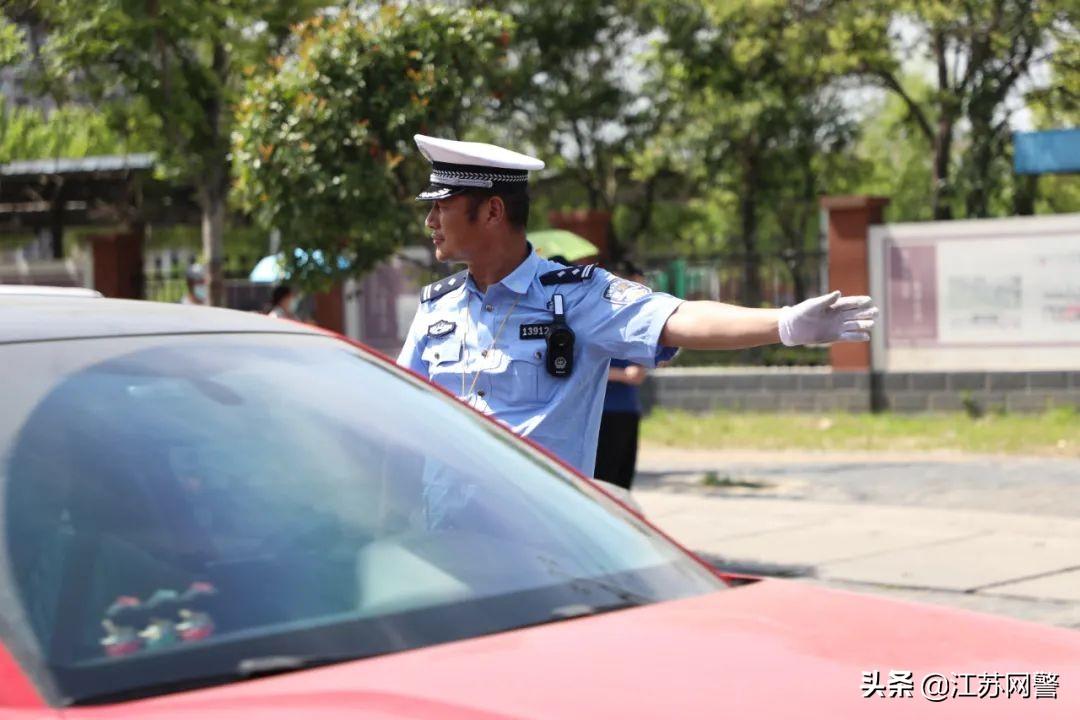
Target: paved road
[(999, 535)]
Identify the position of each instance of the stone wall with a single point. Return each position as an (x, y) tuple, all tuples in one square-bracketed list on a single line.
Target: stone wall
[(758, 389), (822, 389)]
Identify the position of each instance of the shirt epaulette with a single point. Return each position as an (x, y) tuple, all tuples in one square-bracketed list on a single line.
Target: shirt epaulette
[(577, 273), (439, 288)]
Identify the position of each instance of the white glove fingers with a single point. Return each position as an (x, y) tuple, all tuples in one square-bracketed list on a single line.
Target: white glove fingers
[(854, 337), (858, 325), (853, 302), (822, 300), (868, 314)]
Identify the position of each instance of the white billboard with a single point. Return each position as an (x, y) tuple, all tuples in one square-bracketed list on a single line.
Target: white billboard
[(978, 294)]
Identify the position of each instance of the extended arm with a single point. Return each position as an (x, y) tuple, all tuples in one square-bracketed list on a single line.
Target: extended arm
[(706, 325)]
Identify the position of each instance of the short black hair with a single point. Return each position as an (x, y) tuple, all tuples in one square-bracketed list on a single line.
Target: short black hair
[(516, 202)]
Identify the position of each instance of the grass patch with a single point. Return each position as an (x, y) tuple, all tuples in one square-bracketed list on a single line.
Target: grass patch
[(1053, 433)]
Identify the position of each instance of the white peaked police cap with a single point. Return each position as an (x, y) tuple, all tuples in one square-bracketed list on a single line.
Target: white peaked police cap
[(458, 166)]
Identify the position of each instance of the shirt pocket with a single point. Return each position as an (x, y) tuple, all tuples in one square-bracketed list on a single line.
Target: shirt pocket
[(517, 380), (443, 357)]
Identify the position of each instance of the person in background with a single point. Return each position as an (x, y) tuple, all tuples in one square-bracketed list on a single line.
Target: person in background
[(283, 302), (616, 450), (196, 286)]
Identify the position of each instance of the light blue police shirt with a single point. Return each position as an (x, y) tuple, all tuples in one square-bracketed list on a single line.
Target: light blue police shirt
[(488, 349)]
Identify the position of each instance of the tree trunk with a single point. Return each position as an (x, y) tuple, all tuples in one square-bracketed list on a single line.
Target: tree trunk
[(941, 192), (748, 221), (795, 263), (980, 156), (941, 196), (215, 189), (213, 235), (1024, 194)]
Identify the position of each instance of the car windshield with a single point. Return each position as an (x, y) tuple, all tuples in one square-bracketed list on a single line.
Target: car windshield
[(179, 511)]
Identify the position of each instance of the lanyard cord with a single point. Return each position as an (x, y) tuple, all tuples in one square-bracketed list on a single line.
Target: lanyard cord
[(494, 339)]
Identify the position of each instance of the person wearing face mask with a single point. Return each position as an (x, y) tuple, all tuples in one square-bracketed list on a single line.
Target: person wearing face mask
[(196, 286), (283, 303)]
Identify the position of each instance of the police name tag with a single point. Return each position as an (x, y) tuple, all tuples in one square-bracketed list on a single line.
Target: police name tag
[(443, 327), (533, 331)]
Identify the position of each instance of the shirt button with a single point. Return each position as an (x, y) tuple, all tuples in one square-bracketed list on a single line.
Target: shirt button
[(488, 308), (538, 355), (483, 353), (436, 355), (481, 393)]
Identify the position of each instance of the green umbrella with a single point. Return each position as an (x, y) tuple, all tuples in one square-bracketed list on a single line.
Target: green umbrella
[(562, 242)]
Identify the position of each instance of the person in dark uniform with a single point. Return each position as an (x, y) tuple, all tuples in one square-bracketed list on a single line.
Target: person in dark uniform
[(617, 448)]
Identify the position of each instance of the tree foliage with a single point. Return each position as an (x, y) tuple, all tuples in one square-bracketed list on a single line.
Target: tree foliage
[(980, 52), (27, 133), (755, 118), (11, 41), (180, 61), (575, 93), (323, 148)]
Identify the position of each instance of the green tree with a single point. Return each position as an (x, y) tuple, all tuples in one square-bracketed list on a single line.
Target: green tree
[(1055, 106), (754, 116), (27, 133), (572, 94), (181, 62), (895, 157), (979, 51), (323, 147), (11, 42)]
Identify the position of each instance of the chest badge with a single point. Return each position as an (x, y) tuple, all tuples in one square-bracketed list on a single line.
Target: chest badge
[(441, 328)]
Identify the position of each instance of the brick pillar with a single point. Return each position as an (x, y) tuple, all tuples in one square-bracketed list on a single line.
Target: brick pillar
[(118, 264), (593, 225), (330, 309), (849, 221)]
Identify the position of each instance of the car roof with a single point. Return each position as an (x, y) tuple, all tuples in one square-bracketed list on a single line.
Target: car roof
[(49, 290), (33, 318)]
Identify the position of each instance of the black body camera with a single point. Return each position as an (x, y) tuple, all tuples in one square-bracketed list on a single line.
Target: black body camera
[(560, 342)]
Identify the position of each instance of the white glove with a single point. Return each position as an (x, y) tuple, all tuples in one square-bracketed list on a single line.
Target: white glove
[(828, 318)]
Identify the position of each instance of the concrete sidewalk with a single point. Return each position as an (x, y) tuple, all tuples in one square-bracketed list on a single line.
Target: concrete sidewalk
[(1012, 563)]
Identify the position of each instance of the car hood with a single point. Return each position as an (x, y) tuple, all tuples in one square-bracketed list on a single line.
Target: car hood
[(769, 649)]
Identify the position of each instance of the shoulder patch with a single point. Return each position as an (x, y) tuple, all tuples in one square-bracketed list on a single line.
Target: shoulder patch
[(624, 292), (439, 288), (577, 273), (570, 274)]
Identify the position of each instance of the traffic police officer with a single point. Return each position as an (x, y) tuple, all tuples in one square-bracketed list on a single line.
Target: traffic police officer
[(529, 341)]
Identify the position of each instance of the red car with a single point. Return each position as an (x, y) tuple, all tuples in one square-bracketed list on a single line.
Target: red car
[(211, 514)]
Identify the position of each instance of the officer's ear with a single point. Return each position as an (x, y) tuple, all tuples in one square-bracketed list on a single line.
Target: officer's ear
[(495, 212)]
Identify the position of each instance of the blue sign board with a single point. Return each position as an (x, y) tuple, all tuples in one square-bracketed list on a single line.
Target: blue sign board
[(1049, 151)]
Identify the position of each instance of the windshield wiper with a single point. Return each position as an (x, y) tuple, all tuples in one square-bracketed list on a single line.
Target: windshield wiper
[(626, 595), (246, 669), (576, 610)]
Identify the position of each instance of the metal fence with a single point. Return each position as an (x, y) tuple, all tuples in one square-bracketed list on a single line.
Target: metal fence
[(721, 277), (165, 279)]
